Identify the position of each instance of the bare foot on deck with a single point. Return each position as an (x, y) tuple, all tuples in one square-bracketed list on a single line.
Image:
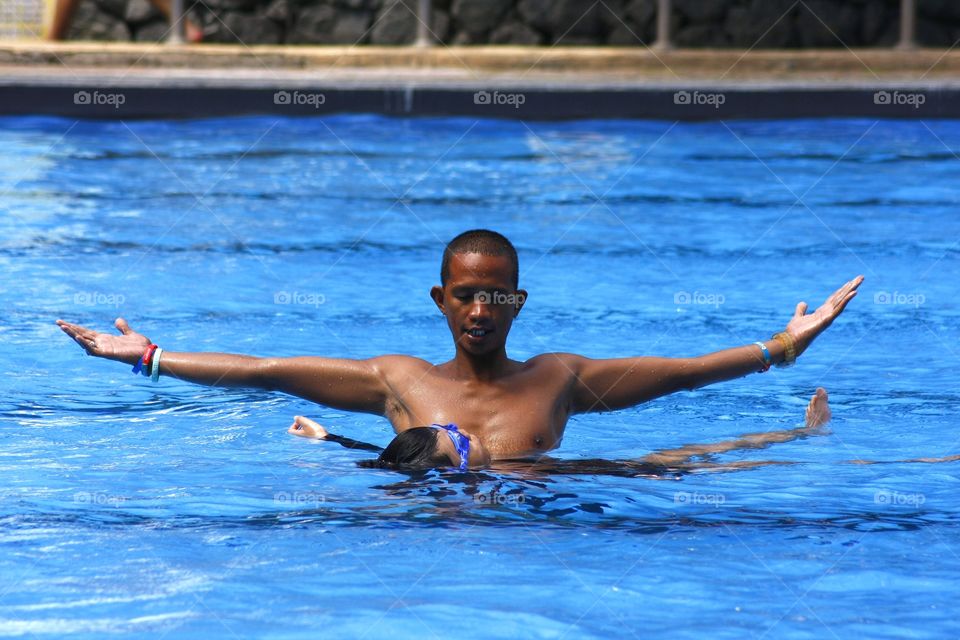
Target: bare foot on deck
[(307, 428), (818, 411)]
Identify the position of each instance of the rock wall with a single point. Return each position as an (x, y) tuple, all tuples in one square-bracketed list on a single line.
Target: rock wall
[(695, 23)]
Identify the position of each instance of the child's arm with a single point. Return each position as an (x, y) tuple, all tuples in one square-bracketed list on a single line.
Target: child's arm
[(307, 428)]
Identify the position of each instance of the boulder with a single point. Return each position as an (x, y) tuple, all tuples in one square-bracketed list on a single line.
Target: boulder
[(326, 24), (628, 34), (395, 23), (462, 38), (116, 8), (440, 24), (823, 23), (220, 6), (939, 10), (701, 35), (890, 35), (479, 18), (576, 41), (138, 12), (248, 28), (91, 23), (154, 31), (933, 33), (876, 18), (769, 24), (356, 5), (515, 32), (641, 12), (561, 19), (279, 11), (702, 10)]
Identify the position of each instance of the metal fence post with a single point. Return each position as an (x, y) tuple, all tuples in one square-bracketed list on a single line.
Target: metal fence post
[(908, 20), (176, 35), (663, 25), (424, 38)]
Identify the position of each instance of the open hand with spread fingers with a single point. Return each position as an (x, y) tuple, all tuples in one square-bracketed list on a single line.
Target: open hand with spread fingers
[(804, 327), (127, 347)]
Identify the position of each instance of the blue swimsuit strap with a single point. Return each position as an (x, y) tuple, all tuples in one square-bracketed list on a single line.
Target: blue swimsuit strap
[(460, 442)]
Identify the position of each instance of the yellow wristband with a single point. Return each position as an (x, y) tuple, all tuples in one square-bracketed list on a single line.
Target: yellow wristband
[(789, 348)]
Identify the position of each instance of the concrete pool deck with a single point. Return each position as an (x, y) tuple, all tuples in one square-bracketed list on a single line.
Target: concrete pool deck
[(127, 80)]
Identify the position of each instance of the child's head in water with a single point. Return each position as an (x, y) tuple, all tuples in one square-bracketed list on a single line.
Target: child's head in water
[(417, 448), (433, 446)]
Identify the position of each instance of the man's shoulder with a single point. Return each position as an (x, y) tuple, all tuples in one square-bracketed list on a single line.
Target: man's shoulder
[(400, 363), (556, 359)]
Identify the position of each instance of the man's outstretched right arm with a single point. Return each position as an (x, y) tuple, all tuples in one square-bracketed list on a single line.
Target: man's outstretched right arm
[(351, 385)]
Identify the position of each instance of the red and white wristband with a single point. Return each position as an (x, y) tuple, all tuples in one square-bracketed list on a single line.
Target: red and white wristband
[(149, 362)]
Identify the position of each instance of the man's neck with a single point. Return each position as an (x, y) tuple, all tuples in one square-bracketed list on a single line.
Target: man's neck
[(485, 368)]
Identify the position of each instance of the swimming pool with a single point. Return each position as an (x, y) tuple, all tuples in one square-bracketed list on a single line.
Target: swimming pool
[(178, 511)]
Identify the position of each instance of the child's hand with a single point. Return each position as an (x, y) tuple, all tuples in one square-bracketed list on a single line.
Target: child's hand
[(307, 428)]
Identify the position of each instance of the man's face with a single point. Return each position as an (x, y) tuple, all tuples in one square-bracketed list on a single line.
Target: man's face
[(479, 301)]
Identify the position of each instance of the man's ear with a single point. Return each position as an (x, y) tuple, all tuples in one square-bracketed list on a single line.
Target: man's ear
[(437, 294), (521, 300)]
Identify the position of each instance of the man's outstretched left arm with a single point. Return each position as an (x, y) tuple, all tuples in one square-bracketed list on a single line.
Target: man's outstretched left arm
[(605, 385)]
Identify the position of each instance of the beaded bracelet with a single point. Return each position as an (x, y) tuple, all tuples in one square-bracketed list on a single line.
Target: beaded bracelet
[(789, 349), (767, 358)]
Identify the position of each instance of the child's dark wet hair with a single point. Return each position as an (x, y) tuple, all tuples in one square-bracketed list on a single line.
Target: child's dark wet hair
[(415, 448)]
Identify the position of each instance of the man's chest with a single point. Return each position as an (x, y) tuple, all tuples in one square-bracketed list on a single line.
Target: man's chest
[(519, 415)]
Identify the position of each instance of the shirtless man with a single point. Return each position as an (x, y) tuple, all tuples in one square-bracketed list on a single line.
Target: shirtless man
[(516, 409), (432, 449)]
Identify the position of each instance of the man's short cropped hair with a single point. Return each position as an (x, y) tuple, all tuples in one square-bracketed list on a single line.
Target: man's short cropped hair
[(484, 242)]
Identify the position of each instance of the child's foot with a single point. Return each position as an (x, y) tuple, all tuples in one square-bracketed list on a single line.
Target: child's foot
[(307, 428), (818, 411)]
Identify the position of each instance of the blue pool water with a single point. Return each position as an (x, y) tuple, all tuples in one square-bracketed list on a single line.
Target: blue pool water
[(170, 510)]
